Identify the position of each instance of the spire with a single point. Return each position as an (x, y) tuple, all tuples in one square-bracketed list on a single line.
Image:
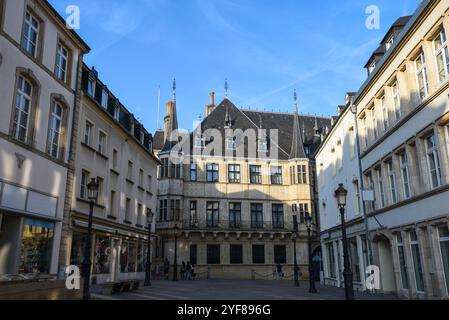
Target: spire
[(297, 150), (226, 87), (174, 89)]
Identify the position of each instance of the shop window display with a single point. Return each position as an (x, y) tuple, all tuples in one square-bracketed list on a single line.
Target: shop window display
[(102, 256)]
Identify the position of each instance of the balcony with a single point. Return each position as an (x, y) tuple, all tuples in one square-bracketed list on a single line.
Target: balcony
[(235, 225)]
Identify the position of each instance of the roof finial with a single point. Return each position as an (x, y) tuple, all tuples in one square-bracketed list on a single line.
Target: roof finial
[(174, 89), (226, 87), (295, 97)]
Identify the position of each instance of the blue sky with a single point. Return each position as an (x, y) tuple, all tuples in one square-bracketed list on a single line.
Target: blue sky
[(265, 48)]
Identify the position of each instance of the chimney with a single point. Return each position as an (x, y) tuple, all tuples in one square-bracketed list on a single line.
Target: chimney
[(211, 107)]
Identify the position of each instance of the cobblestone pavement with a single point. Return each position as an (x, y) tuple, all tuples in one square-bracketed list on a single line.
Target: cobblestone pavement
[(235, 290)]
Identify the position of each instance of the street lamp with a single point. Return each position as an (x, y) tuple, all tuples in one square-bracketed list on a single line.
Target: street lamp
[(294, 235), (308, 221), (92, 195), (175, 263), (341, 194), (147, 281)]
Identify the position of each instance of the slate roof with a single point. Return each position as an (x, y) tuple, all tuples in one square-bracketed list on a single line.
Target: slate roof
[(283, 122), (158, 140)]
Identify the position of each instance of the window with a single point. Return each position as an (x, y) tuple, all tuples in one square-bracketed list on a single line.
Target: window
[(200, 142), (213, 254), (55, 130), (150, 184), (278, 216), (193, 214), (258, 254), (443, 233), (384, 108), (104, 98), (115, 159), (402, 266), (365, 131), (380, 187), (262, 145), (236, 254), (175, 210), (405, 174), (117, 113), (442, 55), (101, 142), (419, 277), (302, 174), (234, 173), (255, 173), (355, 188), (91, 87), (22, 113), (112, 204), (100, 182), (447, 138), (88, 130), (392, 181), (421, 76), (303, 211), (235, 215), (396, 101), (164, 168), (212, 172), (193, 171), (141, 177), (280, 254), (433, 161), (212, 214), (193, 254), (371, 67), (231, 143), (370, 186), (130, 170), (292, 175), (256, 215), (330, 260), (354, 258), (352, 143), (175, 171), (374, 123), (83, 184), (163, 210), (62, 56), (30, 34), (128, 215), (389, 42), (139, 214), (276, 175)]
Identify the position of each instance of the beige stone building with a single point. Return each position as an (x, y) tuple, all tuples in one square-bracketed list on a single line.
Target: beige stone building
[(113, 147), (403, 115), (39, 63), (233, 213)]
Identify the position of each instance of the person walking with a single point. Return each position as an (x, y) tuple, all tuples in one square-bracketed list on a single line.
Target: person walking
[(183, 271), (189, 271), (166, 268), (280, 274)]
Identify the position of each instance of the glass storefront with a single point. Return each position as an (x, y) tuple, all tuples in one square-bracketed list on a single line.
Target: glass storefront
[(102, 255), (132, 257), (77, 252), (444, 244), (124, 257), (36, 246)]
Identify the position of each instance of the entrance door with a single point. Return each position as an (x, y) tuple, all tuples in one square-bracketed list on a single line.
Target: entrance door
[(388, 284)]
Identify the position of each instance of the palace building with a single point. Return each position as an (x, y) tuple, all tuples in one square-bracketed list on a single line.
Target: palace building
[(230, 213)]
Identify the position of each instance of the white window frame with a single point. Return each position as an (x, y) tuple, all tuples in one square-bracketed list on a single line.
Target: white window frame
[(262, 145), (88, 132), (435, 153), (443, 51), (374, 123), (392, 182), (416, 243), (104, 98), (22, 99), (396, 100), (62, 59), (389, 42), (422, 71), (231, 144), (384, 111), (53, 130), (91, 87), (405, 174), (381, 187), (26, 36), (102, 141), (83, 184), (200, 142)]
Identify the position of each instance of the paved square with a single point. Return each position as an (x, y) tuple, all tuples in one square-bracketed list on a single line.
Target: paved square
[(235, 290)]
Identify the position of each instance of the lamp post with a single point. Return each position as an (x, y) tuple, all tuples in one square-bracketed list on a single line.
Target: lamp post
[(147, 282), (175, 263), (92, 195), (308, 220), (294, 235), (340, 194)]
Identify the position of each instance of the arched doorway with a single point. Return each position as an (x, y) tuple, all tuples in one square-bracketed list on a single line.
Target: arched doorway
[(386, 266)]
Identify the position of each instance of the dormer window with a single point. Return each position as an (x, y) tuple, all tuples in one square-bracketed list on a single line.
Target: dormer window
[(104, 98), (262, 145), (91, 87), (200, 142), (389, 43), (371, 67), (231, 144), (117, 113)]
